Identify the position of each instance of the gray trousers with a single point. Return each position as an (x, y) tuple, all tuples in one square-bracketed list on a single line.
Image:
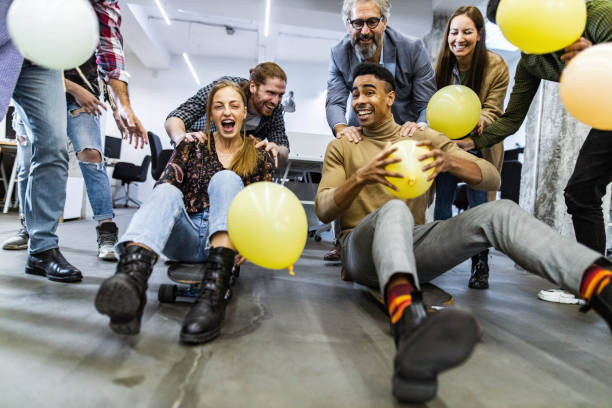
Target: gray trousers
[(387, 242)]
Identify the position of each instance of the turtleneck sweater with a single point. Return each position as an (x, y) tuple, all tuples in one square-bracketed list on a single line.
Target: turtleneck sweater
[(343, 158)]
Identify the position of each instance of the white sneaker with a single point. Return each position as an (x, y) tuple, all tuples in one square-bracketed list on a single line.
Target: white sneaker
[(560, 296), (107, 238)]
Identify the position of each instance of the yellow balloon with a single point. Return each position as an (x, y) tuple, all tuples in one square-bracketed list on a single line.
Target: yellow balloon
[(586, 86), (454, 110), (414, 183), (541, 26), (267, 224)]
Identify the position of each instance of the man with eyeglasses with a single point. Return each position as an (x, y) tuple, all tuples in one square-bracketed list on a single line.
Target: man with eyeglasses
[(369, 39)]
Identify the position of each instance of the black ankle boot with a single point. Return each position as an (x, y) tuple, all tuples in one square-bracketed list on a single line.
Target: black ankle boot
[(602, 302), (203, 322), (427, 345), (479, 278), (123, 296)]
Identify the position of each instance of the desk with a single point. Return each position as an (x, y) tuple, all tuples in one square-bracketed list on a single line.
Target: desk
[(306, 190), (8, 145)]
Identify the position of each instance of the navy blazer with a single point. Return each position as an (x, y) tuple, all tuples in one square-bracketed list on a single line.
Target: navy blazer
[(414, 76)]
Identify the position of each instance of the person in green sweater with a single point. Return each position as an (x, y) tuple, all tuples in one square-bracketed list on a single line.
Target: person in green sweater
[(593, 170), (386, 245)]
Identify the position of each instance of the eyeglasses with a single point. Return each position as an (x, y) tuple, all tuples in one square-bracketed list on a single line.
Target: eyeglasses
[(371, 22)]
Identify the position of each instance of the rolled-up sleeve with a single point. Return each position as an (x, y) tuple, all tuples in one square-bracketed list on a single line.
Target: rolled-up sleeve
[(110, 56), (337, 95)]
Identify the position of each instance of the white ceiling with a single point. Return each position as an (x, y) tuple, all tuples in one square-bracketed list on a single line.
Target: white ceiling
[(300, 30)]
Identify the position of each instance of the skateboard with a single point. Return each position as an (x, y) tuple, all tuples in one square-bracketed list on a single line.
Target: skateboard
[(187, 279), (434, 297)]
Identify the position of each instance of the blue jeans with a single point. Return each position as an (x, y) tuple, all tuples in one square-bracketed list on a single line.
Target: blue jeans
[(84, 132), (446, 185), (162, 223), (39, 97)]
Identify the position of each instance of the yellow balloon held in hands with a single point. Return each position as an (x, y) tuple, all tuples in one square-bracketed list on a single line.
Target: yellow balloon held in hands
[(454, 110), (57, 34), (414, 183), (267, 224), (586, 86), (541, 26)]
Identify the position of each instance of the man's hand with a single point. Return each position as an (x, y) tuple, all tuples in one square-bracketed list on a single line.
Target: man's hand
[(375, 172), (466, 143), (191, 137), (577, 46), (86, 99), (440, 163), (130, 127), (409, 128), (269, 147), (352, 133)]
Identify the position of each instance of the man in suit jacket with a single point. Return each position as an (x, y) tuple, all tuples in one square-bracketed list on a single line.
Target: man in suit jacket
[(370, 39)]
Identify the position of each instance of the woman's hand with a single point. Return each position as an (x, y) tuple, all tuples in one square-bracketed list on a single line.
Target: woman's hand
[(268, 147), (466, 143), (479, 127), (239, 260)]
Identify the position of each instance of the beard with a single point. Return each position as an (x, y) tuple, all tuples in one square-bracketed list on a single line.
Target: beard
[(366, 51)]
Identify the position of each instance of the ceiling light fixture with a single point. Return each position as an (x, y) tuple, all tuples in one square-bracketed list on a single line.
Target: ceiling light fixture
[(163, 12), (267, 24), (193, 73)]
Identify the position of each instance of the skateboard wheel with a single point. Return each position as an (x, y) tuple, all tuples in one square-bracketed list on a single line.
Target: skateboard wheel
[(167, 293)]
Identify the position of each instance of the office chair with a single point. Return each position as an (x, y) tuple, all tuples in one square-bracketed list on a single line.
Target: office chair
[(129, 173), (159, 156)]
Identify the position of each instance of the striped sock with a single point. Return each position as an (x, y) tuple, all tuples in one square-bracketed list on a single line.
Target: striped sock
[(594, 280), (399, 298)]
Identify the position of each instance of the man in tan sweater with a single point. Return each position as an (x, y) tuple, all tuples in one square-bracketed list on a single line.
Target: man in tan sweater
[(385, 244)]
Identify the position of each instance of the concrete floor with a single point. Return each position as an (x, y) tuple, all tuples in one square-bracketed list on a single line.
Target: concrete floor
[(304, 341)]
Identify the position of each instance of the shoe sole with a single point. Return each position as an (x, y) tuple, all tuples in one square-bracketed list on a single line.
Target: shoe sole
[(14, 247), (107, 256), (118, 299), (205, 337), (444, 341), (30, 270), (556, 298)]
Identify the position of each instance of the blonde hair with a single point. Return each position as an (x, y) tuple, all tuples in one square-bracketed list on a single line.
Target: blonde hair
[(245, 160)]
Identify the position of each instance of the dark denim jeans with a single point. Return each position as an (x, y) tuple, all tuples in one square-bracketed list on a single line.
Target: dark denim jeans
[(587, 186)]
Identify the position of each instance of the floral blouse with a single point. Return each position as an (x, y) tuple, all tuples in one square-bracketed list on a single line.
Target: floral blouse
[(191, 167)]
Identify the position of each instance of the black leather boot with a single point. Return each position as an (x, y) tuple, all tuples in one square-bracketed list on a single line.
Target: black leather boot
[(427, 345), (123, 296), (203, 322), (479, 278), (602, 302), (52, 264)]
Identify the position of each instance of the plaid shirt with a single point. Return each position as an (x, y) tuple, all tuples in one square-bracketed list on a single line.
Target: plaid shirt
[(193, 114), (109, 53), (531, 69)]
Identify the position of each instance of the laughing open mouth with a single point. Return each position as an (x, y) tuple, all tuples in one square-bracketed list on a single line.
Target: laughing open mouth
[(228, 125)]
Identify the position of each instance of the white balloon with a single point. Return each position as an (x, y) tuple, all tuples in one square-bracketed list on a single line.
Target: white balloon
[(57, 34)]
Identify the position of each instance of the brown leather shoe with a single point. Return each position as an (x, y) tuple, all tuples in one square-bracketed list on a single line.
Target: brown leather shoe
[(333, 255)]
